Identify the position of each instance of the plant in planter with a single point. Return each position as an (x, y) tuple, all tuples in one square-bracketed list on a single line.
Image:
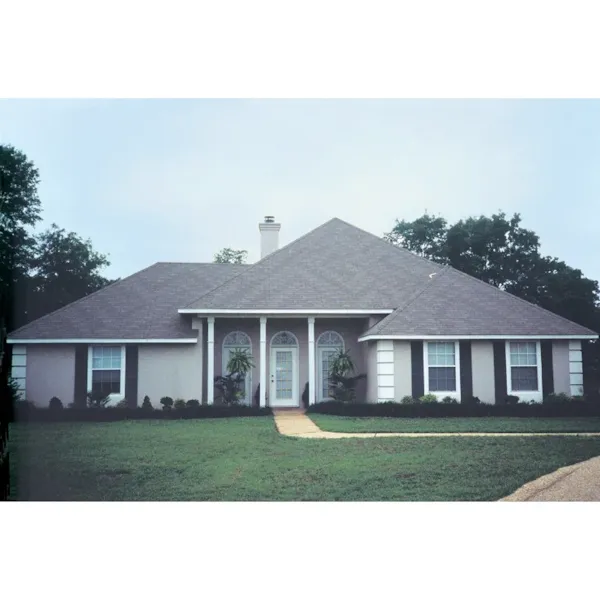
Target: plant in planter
[(342, 382), (231, 386), (305, 396), (167, 402)]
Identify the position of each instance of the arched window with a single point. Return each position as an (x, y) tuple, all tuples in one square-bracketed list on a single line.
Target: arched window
[(329, 344), (238, 340)]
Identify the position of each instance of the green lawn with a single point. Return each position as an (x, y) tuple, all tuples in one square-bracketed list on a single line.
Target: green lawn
[(246, 459), (455, 424)]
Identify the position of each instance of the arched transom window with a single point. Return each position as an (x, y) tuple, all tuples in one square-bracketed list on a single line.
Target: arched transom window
[(284, 338), (238, 340), (329, 344)]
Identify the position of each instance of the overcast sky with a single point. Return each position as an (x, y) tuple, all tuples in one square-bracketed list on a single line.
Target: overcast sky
[(157, 180)]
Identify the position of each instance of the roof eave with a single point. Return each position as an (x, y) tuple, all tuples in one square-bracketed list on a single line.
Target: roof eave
[(382, 336)]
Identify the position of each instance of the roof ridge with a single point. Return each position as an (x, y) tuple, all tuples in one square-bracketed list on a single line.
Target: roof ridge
[(541, 308), (79, 300), (399, 248), (250, 267)]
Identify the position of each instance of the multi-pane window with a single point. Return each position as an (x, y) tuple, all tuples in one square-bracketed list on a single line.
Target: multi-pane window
[(441, 361), (106, 369), (523, 367), (284, 374), (329, 345), (238, 340)]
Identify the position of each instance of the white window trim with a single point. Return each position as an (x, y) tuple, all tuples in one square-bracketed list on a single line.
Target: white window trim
[(439, 395), (225, 360), (113, 397), (320, 349), (523, 395)]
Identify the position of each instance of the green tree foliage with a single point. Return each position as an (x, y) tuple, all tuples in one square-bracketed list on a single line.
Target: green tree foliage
[(63, 268), (20, 210), (499, 251), (231, 256)]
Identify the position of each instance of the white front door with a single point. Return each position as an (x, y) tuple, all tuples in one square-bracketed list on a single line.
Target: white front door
[(284, 377)]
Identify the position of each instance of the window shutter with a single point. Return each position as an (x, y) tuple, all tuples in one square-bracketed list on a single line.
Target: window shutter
[(81, 369), (500, 371), (547, 368), (466, 370), (131, 375), (416, 355)]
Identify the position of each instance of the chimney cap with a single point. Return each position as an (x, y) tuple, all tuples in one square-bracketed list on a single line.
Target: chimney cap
[(269, 219)]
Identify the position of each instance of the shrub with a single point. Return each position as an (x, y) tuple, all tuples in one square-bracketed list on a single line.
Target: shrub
[(471, 400), (561, 398), (146, 404), (97, 399), (408, 400), (55, 403), (192, 403), (230, 388), (449, 400), (167, 402), (14, 392), (511, 400), (179, 404), (428, 399), (123, 403), (420, 410)]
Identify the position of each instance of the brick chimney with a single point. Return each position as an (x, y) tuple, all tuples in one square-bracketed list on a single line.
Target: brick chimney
[(269, 236)]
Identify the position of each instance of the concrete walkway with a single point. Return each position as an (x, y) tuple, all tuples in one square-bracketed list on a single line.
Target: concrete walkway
[(575, 483), (294, 423)]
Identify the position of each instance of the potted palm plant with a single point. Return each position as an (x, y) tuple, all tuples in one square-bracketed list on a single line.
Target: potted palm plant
[(342, 381)]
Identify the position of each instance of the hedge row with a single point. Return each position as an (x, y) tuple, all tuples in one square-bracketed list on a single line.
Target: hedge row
[(124, 414), (393, 409)]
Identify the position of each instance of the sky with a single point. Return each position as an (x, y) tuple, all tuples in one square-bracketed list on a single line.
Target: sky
[(177, 180)]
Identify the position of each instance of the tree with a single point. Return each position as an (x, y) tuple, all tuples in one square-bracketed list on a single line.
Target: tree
[(499, 251), (231, 256), (64, 268), (19, 211)]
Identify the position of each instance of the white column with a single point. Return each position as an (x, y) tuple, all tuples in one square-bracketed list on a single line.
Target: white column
[(385, 370), (263, 361), (311, 361), (210, 362)]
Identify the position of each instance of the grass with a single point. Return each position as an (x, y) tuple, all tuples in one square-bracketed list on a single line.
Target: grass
[(456, 424), (246, 459)]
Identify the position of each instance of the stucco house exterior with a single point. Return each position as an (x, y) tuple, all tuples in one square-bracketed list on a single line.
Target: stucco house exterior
[(411, 325)]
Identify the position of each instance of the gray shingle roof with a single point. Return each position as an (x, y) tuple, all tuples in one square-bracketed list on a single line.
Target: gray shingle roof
[(335, 266), (457, 304), (142, 306)]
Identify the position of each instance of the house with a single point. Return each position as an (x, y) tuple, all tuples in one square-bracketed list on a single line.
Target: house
[(411, 325)]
